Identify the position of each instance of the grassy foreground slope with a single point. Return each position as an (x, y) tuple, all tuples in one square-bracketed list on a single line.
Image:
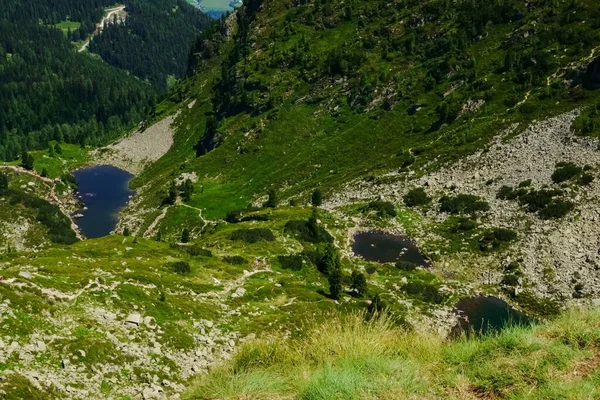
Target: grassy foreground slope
[(311, 93), (346, 358)]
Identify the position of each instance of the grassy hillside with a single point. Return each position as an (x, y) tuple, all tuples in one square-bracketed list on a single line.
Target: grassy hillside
[(346, 358), (313, 94)]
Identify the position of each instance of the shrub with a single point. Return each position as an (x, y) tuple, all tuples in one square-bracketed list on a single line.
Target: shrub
[(565, 172), (253, 235), (425, 291), (465, 224), (586, 179), (384, 208), (181, 267), (506, 193), (463, 204), (536, 200), (510, 280), (556, 209), (526, 183), (416, 197), (293, 262), (308, 231), (3, 183), (197, 251), (235, 260), (406, 266), (496, 238)]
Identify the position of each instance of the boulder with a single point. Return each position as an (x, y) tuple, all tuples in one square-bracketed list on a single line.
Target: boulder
[(134, 319)]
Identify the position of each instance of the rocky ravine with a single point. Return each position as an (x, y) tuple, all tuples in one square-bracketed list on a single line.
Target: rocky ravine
[(140, 149), (555, 253)]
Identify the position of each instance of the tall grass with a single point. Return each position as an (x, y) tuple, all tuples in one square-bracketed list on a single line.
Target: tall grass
[(348, 357)]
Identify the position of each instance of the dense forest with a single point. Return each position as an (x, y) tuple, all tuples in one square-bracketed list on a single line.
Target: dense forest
[(49, 91), (154, 40)]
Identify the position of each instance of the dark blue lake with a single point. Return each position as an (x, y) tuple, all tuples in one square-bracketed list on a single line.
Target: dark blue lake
[(104, 190), (387, 248), (485, 314)]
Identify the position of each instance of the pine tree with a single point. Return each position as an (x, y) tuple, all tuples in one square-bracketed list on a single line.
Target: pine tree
[(187, 189), (359, 283), (126, 232), (44, 172), (185, 235), (317, 198), (331, 260), (3, 183), (271, 199), (58, 149), (27, 161), (335, 283)]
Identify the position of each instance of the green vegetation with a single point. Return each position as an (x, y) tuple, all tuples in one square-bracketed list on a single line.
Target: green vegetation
[(384, 209), (354, 359), (463, 204), (416, 197), (566, 171), (253, 235)]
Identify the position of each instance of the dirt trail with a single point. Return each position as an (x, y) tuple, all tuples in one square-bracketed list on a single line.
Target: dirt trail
[(100, 25)]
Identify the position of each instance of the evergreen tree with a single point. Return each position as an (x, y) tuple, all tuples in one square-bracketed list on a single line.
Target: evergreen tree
[(126, 232), (317, 198), (58, 149), (335, 283), (271, 199), (3, 183), (331, 260), (158, 236), (44, 172), (187, 189), (51, 150), (172, 195), (185, 235), (359, 283), (27, 161)]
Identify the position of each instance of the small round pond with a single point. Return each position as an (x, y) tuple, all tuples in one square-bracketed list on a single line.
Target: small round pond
[(485, 314), (387, 248), (104, 190)]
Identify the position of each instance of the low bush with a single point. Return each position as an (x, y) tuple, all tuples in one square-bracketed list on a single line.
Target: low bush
[(307, 232), (235, 260), (496, 238), (463, 204), (181, 267), (253, 235), (406, 266), (384, 208), (293, 262), (557, 208), (425, 291), (506, 193), (586, 179), (565, 172), (416, 197), (198, 251)]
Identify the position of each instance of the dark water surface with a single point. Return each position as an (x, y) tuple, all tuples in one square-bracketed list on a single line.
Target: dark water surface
[(385, 247), (484, 314), (104, 191)]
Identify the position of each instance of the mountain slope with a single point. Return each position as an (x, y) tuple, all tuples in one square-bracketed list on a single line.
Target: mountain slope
[(316, 96)]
